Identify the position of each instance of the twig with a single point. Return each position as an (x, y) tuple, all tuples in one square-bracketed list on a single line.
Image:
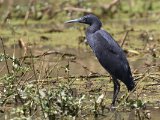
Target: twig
[(110, 5), (77, 9), (31, 2), (124, 39), (49, 53), (128, 94), (39, 96), (4, 52), (71, 77), (138, 113), (2, 68), (153, 84), (83, 66), (6, 17)]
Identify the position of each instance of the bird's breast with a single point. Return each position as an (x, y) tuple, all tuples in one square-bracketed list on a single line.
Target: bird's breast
[(90, 40)]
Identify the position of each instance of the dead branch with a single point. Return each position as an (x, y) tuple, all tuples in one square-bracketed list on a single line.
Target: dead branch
[(83, 66), (53, 29), (124, 38), (23, 45), (50, 53), (109, 6), (4, 52), (31, 2), (72, 77), (77, 9), (153, 84)]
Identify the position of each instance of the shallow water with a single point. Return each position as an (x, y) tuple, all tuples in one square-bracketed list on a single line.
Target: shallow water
[(86, 61), (86, 58)]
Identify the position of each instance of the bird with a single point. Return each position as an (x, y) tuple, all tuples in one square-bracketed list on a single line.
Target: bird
[(108, 52)]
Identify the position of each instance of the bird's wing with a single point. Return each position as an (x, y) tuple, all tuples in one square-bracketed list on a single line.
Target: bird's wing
[(112, 57), (108, 42), (110, 54)]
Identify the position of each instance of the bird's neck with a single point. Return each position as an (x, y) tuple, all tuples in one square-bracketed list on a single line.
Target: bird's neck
[(93, 28)]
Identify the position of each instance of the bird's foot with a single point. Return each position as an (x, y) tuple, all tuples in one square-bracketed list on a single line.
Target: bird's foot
[(111, 108)]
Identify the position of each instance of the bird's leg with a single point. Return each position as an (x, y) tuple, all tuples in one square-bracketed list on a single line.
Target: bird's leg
[(116, 90)]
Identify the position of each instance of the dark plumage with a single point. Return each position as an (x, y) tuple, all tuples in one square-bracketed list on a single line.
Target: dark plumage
[(108, 52)]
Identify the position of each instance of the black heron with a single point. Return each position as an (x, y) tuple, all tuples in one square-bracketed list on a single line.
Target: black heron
[(108, 52)]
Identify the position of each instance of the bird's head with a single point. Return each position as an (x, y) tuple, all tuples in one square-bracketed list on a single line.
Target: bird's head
[(88, 19)]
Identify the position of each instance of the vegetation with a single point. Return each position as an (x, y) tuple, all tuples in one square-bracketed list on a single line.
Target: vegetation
[(47, 71)]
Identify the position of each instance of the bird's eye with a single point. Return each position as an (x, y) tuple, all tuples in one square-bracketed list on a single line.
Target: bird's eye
[(85, 19)]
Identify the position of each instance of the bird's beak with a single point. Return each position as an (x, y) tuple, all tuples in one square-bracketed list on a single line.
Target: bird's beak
[(74, 21)]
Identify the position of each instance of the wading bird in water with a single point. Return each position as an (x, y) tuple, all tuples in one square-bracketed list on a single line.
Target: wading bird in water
[(108, 52)]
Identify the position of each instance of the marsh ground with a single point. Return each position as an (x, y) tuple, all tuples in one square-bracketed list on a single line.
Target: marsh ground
[(53, 74)]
